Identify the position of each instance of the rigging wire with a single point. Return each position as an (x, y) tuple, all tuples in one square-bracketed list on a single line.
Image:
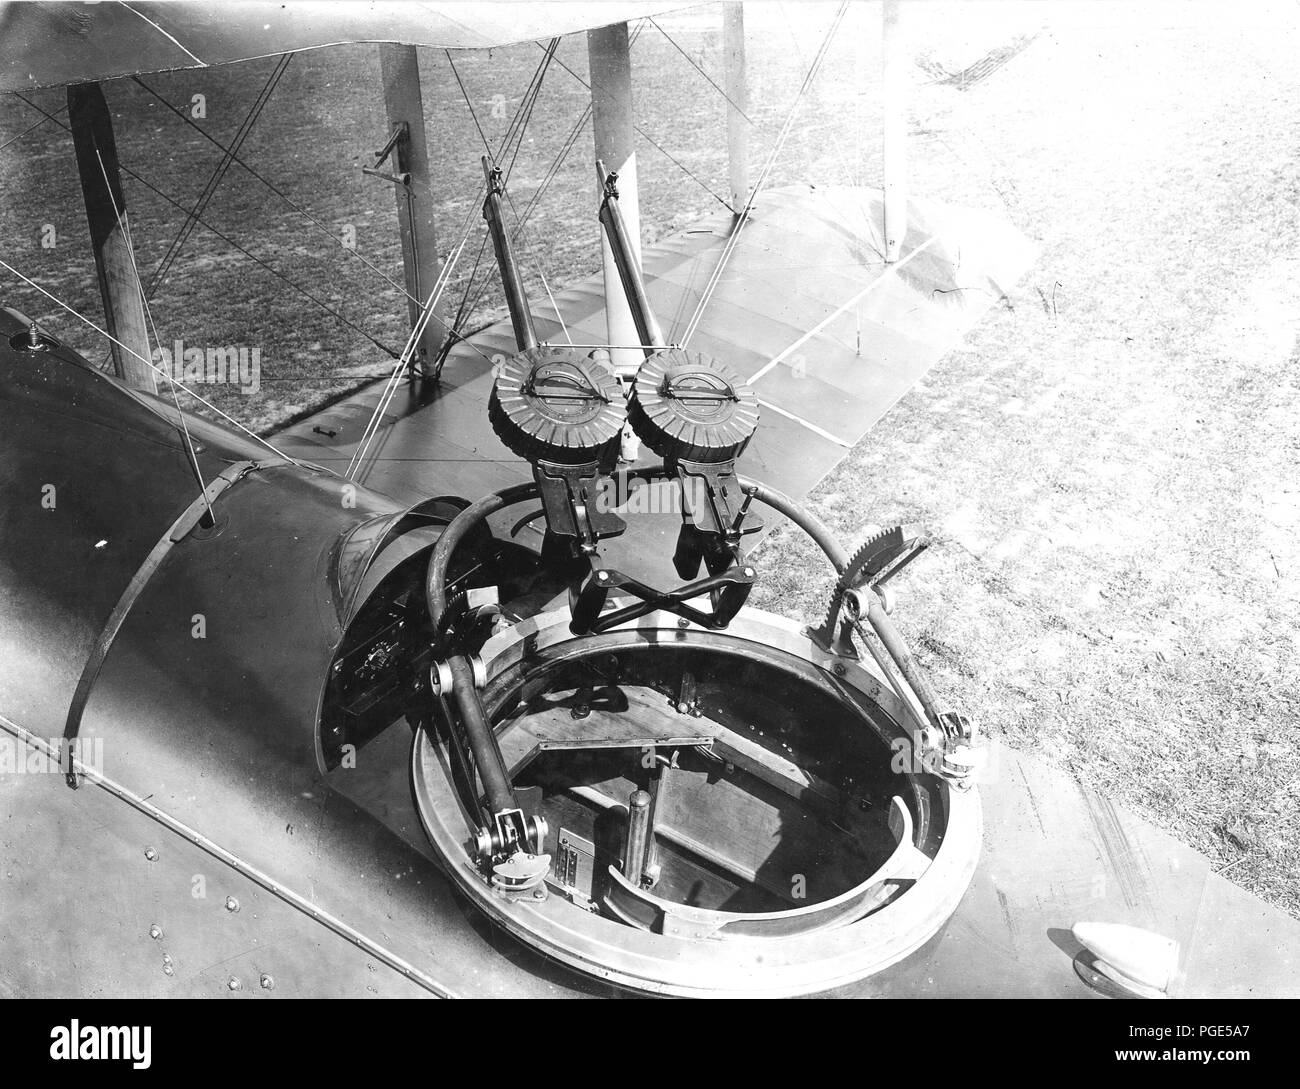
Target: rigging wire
[(454, 335), (427, 312), (519, 125), (520, 229), (652, 141), (514, 132), (835, 144), (734, 238), (144, 302), (232, 243), (230, 154), (465, 95), (322, 227), (557, 164), (31, 128), (390, 388), (306, 215), (460, 310), (175, 381), (866, 226), (214, 181), (536, 92), (219, 174), (519, 143), (692, 62)]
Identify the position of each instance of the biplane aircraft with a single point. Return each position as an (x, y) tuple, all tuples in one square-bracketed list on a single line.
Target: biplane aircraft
[(460, 691)]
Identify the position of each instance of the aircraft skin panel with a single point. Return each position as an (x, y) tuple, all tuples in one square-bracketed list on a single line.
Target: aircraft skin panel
[(787, 297), (1056, 853), (315, 844), (768, 328), (831, 357), (68, 547), (51, 44), (216, 727), (97, 848)]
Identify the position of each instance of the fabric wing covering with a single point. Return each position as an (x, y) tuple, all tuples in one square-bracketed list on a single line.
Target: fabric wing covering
[(49, 45), (829, 336)]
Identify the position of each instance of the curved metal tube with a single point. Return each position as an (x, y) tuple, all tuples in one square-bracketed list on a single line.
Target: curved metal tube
[(436, 580), (804, 519), (471, 516)]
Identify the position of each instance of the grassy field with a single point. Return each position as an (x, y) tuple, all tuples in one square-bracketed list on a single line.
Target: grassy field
[(1110, 463)]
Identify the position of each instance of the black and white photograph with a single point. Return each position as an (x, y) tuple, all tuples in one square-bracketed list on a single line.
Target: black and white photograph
[(744, 500)]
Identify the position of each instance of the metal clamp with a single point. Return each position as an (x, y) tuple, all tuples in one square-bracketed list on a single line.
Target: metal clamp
[(397, 142)]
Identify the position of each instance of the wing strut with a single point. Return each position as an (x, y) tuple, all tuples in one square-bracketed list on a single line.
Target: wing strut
[(101, 188)]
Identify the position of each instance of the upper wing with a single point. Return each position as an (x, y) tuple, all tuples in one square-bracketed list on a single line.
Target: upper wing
[(51, 44)]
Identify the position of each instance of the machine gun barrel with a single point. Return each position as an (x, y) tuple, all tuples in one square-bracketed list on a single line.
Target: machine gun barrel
[(629, 270), (521, 318)]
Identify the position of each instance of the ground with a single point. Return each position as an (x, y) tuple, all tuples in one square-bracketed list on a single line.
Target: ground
[(1110, 464)]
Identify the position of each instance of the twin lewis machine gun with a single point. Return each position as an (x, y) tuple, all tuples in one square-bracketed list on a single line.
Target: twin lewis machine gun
[(626, 765)]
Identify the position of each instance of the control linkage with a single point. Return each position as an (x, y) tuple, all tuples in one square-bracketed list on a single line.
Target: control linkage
[(861, 594)]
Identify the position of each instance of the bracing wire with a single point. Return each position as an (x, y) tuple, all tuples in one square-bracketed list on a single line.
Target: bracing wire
[(655, 143), (214, 181), (32, 128), (557, 164), (144, 302), (514, 134), (232, 243), (322, 227), (523, 220), (516, 130), (692, 62), (390, 387), (306, 215), (219, 174), (175, 381), (836, 146), (734, 238)]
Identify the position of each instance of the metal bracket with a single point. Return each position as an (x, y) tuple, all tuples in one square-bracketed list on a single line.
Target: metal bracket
[(404, 180), (715, 516), (399, 137), (514, 848), (727, 590), (569, 494), (397, 142)]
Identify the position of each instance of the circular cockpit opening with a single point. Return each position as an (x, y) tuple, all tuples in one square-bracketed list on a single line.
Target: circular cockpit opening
[(727, 812)]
